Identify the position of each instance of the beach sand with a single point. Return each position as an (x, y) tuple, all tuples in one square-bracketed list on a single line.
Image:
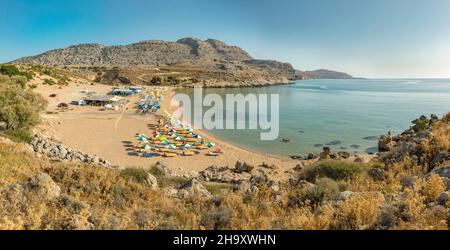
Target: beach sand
[(110, 134)]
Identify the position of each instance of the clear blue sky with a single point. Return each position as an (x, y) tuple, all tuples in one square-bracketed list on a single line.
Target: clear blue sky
[(367, 38)]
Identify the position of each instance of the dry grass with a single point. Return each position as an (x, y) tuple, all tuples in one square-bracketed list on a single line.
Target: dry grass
[(98, 198)]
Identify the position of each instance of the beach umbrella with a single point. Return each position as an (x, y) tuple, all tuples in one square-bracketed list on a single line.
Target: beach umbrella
[(187, 145), (163, 138), (210, 144), (178, 138), (166, 142), (142, 138), (171, 146), (147, 146), (199, 136)]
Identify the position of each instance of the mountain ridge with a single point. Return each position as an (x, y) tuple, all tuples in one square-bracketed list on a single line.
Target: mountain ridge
[(218, 63)]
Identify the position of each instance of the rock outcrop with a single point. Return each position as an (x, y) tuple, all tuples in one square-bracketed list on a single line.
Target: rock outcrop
[(59, 152), (409, 144)]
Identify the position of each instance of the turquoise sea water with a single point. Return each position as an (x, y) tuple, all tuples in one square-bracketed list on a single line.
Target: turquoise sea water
[(345, 111)]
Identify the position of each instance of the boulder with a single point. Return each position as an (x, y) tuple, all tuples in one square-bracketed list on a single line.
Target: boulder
[(358, 159), (345, 195), (171, 192), (222, 174), (298, 167), (344, 154), (44, 186), (325, 155), (14, 193), (78, 213), (443, 198), (241, 166), (376, 174), (152, 181), (408, 182), (385, 143), (433, 119), (312, 155), (266, 165), (335, 156), (194, 186), (243, 186), (439, 159), (163, 169), (3, 125), (444, 173), (274, 185), (259, 178), (254, 189)]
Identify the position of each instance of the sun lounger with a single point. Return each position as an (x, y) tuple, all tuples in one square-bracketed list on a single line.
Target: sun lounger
[(213, 154), (150, 154), (169, 154), (201, 146), (187, 153)]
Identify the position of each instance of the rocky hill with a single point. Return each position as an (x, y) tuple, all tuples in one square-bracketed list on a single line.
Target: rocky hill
[(322, 74), (151, 52), (210, 62)]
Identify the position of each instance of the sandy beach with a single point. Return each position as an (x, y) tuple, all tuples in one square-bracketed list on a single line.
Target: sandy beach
[(110, 134)]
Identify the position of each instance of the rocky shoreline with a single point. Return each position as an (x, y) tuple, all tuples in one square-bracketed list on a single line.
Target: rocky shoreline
[(251, 84)]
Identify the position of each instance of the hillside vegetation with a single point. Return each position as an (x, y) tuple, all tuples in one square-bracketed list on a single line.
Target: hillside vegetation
[(39, 194)]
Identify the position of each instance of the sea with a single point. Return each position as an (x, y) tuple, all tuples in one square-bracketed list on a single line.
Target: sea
[(345, 114)]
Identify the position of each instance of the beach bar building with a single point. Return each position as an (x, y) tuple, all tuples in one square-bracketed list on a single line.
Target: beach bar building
[(136, 89), (122, 92), (101, 100)]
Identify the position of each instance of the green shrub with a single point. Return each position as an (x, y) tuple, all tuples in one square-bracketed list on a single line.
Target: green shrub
[(11, 70), (19, 106), (137, 174), (333, 169), (324, 189), (18, 136), (156, 80), (218, 188), (376, 164), (49, 82), (167, 181)]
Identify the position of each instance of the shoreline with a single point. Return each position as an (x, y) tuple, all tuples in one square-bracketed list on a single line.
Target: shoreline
[(109, 135), (269, 156), (168, 96)]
